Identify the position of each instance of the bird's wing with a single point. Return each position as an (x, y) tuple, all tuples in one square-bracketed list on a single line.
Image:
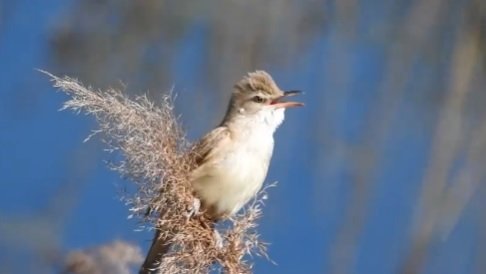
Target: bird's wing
[(207, 150), (210, 144)]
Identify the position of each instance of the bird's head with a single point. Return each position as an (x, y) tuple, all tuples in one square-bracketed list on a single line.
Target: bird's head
[(257, 94)]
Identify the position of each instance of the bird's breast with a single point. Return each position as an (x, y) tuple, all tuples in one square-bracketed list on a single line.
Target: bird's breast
[(237, 176)]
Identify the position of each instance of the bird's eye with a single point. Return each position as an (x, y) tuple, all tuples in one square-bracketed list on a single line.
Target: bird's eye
[(258, 99)]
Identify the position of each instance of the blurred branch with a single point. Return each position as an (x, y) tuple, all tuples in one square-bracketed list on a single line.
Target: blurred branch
[(137, 40), (447, 139), (466, 183), (417, 25)]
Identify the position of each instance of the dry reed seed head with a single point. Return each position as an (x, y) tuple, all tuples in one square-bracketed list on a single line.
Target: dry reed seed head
[(158, 159)]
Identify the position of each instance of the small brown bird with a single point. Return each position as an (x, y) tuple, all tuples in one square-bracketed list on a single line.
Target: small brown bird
[(235, 155)]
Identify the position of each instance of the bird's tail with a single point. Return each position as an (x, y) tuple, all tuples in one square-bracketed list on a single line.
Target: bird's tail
[(157, 250)]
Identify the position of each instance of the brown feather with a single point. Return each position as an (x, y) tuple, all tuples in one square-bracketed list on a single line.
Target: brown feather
[(258, 81)]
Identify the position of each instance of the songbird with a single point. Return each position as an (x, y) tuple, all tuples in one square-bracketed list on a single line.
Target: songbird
[(234, 157)]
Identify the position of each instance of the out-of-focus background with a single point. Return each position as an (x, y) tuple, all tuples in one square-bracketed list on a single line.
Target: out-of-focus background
[(381, 172)]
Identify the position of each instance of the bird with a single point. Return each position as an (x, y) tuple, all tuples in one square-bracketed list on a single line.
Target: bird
[(233, 158)]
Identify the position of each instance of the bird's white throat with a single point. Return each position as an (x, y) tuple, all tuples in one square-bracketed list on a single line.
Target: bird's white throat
[(267, 120)]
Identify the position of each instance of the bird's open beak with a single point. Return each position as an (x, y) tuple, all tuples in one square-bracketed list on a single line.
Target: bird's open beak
[(281, 103)]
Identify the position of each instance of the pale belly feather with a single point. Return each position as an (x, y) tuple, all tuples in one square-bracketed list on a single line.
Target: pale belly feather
[(236, 178), (227, 183)]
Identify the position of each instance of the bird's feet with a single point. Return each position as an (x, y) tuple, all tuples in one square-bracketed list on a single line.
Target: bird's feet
[(194, 208), (218, 239)]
